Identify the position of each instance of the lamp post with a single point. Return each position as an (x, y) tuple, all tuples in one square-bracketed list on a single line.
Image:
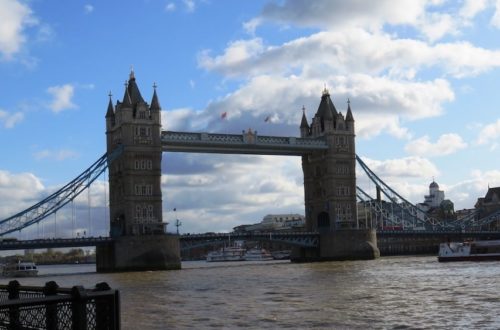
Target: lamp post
[(177, 222)]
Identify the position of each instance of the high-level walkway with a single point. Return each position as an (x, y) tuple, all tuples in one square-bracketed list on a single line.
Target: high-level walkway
[(246, 143)]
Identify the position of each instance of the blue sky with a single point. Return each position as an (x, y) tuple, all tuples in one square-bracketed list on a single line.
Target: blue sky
[(421, 75)]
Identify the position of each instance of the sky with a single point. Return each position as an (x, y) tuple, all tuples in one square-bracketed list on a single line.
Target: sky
[(422, 77)]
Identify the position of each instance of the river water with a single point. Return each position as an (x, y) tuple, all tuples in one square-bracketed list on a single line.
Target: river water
[(388, 293)]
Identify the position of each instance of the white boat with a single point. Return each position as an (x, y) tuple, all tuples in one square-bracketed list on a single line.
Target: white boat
[(20, 269), (257, 254), (231, 253), (469, 251)]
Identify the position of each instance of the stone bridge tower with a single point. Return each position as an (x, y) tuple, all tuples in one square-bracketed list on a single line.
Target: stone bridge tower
[(330, 176), (135, 201), (330, 188), (135, 177)]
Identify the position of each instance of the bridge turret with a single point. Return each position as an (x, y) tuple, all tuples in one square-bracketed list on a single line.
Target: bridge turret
[(155, 108), (304, 126), (349, 119), (110, 114)]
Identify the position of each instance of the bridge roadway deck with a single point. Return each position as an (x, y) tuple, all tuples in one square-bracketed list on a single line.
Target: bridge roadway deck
[(188, 241), (404, 238), (305, 239), (53, 243), (246, 143)]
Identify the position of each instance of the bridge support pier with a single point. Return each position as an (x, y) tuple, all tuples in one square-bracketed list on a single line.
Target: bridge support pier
[(341, 244), (139, 253)]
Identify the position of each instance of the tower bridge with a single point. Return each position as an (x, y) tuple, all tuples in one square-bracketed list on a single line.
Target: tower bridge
[(326, 146), (135, 144)]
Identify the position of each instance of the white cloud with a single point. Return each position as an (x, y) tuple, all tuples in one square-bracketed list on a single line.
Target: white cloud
[(472, 7), (10, 120), (190, 5), (495, 20), (15, 17), (489, 134), (372, 15), (58, 155), (337, 13), (237, 53), (18, 191), (252, 25), (445, 145), (350, 51), (62, 96), (436, 26), (407, 167), (465, 193), (88, 8), (170, 6)]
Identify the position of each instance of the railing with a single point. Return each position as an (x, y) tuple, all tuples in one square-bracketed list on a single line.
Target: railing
[(51, 307)]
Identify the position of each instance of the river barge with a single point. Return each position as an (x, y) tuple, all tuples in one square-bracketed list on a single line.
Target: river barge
[(469, 251)]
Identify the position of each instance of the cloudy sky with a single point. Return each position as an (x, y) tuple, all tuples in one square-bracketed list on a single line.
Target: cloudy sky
[(422, 77)]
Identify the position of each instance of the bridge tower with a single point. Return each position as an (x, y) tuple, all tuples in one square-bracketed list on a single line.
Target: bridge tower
[(135, 187), (330, 186)]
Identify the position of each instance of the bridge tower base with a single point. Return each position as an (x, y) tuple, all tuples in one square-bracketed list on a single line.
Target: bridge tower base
[(139, 253), (341, 244)]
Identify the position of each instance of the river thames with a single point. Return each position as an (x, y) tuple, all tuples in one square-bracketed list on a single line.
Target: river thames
[(388, 293)]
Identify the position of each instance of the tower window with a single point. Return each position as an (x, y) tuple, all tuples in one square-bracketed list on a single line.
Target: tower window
[(142, 131)]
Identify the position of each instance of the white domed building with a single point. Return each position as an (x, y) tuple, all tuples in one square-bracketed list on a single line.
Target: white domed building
[(435, 203)]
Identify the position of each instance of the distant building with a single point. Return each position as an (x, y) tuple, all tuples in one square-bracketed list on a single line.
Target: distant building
[(272, 222), (488, 204), (435, 205), (435, 197)]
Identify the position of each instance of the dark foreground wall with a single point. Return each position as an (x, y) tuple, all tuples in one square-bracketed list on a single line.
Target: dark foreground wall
[(137, 253), (343, 244)]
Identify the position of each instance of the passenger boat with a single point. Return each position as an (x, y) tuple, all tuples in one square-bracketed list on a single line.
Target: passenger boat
[(20, 269), (231, 253), (257, 254), (469, 251)]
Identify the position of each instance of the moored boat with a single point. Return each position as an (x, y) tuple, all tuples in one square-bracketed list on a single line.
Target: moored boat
[(469, 251), (20, 269), (230, 253), (257, 254)]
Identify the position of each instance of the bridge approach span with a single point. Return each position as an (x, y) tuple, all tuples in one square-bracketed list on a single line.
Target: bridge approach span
[(245, 143), (54, 243)]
